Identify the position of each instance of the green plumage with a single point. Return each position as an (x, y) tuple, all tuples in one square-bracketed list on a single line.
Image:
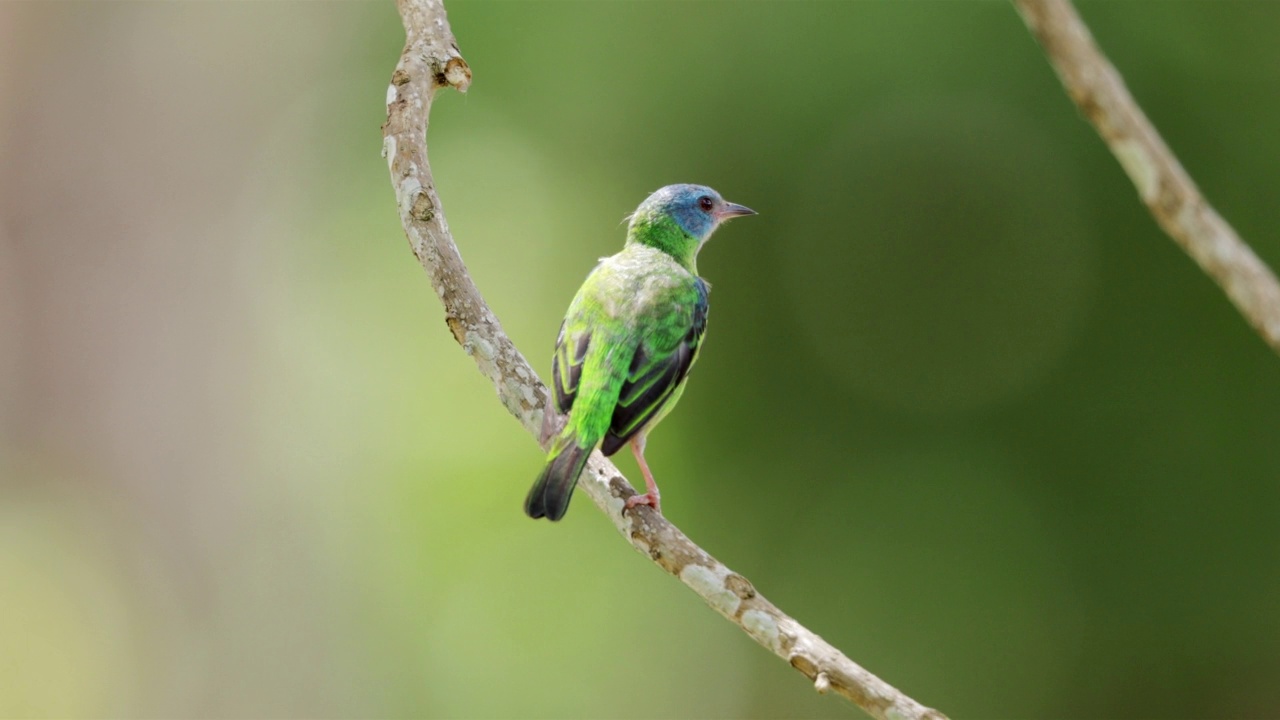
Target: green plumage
[(625, 348)]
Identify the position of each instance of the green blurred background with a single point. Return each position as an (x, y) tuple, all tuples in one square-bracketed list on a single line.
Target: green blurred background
[(963, 409)]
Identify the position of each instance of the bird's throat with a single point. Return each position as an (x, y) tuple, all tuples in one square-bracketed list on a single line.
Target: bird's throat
[(665, 234)]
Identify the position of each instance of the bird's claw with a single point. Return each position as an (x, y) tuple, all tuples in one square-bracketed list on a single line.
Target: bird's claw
[(650, 498)]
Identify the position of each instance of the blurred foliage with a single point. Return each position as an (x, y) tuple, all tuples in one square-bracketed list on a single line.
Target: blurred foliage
[(963, 409)]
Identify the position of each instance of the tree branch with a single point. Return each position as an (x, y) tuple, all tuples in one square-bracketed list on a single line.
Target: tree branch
[(431, 61), (1164, 186)]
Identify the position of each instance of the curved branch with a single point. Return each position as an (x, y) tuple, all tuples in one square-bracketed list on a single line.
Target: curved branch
[(1165, 187), (431, 61)]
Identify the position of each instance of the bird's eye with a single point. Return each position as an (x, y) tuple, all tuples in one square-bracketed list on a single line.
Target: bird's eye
[(705, 203)]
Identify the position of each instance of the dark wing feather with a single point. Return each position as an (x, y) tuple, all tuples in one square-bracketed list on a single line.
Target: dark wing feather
[(651, 381), (566, 367)]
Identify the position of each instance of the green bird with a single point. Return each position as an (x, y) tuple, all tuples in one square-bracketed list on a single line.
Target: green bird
[(626, 345)]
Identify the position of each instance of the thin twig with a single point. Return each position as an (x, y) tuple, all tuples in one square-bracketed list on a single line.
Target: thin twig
[(431, 61), (1164, 186)]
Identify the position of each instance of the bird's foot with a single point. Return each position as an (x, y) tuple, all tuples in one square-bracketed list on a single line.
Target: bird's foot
[(650, 498)]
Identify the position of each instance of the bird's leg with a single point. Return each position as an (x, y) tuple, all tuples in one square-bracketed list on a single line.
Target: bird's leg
[(651, 497)]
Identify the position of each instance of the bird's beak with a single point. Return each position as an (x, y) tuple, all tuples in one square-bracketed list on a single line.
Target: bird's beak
[(733, 210)]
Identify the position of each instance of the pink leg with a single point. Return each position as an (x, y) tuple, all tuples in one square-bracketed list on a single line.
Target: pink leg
[(651, 497)]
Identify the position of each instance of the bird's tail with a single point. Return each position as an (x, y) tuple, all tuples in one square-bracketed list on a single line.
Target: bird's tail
[(549, 496)]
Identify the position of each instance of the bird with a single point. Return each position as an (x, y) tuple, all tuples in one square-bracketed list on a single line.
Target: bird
[(628, 341)]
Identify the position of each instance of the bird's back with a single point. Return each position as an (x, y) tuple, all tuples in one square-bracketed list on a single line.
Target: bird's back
[(637, 303)]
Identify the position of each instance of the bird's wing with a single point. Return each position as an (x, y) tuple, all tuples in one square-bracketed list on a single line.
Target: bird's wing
[(566, 364), (654, 375)]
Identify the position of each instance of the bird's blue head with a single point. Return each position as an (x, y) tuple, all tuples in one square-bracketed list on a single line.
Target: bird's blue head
[(679, 218)]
